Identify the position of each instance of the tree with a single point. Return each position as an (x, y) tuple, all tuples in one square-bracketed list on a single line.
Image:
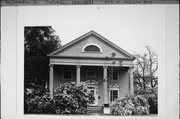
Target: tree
[(38, 42), (146, 66)]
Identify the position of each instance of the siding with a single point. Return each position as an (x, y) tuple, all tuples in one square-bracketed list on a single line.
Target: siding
[(123, 81)]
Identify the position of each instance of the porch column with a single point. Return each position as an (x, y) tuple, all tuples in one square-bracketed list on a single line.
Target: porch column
[(131, 80), (51, 80), (106, 100), (78, 74)]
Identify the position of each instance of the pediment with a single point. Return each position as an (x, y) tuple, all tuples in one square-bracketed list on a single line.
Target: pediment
[(91, 44)]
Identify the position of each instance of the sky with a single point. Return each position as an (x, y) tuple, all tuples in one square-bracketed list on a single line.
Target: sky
[(131, 27)]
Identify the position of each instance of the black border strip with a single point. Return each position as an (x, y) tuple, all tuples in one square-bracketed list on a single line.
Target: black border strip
[(83, 2)]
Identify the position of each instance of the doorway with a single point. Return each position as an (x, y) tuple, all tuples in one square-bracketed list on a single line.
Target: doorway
[(93, 88)]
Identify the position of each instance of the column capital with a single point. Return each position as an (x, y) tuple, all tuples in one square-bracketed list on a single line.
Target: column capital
[(78, 66), (51, 65), (105, 67)]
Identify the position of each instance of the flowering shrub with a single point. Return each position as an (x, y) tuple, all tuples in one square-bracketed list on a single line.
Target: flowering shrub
[(72, 99), (130, 105), (152, 97), (37, 101), (68, 99)]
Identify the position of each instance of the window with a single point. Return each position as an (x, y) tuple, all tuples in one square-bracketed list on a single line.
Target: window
[(67, 74), (113, 95), (92, 48), (115, 75), (113, 92), (90, 74)]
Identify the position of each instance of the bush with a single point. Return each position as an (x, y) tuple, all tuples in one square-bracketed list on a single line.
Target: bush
[(72, 99), (37, 101), (152, 97), (153, 102), (68, 99), (130, 105)]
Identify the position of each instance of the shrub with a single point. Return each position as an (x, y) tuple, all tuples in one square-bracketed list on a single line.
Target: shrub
[(72, 99), (152, 97), (130, 105), (68, 99), (153, 102), (37, 101)]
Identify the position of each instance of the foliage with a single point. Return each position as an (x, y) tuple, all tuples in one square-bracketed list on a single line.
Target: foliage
[(130, 105), (72, 99), (152, 97), (153, 102), (68, 99), (37, 101), (38, 42)]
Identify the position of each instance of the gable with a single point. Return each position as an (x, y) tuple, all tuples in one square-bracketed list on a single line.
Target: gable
[(101, 48)]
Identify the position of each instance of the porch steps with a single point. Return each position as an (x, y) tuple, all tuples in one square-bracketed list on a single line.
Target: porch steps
[(95, 110)]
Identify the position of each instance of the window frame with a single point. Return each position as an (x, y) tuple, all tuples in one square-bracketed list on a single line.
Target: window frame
[(85, 50), (89, 44), (112, 96), (117, 73), (112, 89)]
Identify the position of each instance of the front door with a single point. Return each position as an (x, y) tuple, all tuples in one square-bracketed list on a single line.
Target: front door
[(94, 90)]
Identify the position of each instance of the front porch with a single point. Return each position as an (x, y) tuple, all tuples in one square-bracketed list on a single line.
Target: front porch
[(96, 78)]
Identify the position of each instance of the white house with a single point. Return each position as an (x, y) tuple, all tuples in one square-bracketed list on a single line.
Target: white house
[(88, 59)]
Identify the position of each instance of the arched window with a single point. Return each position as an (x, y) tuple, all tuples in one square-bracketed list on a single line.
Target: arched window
[(91, 48)]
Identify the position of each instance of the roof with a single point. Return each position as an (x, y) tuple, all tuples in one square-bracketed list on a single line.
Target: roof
[(86, 35)]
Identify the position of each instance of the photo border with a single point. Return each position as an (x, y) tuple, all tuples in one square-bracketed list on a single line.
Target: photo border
[(13, 61)]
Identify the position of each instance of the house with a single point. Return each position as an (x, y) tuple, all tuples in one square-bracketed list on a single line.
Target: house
[(105, 68)]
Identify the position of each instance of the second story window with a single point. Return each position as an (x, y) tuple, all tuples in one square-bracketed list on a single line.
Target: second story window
[(115, 75)]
